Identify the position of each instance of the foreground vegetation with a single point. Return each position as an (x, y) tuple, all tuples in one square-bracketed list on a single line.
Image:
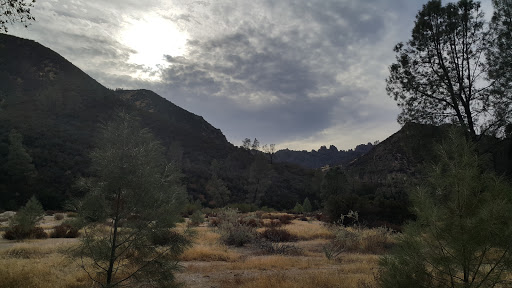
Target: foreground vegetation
[(210, 262)]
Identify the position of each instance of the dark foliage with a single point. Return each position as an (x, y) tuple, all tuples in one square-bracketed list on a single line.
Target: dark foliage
[(270, 247), (278, 235), (18, 233), (64, 231)]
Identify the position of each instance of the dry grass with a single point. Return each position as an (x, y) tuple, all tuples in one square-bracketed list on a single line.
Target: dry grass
[(309, 230), (208, 263), (28, 265), (363, 240), (276, 262), (206, 252), (207, 247), (317, 279)]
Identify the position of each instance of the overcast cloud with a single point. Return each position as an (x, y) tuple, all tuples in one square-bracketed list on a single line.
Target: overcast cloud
[(296, 73)]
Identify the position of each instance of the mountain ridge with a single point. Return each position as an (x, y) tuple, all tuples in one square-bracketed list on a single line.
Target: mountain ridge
[(58, 109)]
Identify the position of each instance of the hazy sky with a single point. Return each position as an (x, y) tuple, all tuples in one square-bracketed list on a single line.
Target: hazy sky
[(300, 73)]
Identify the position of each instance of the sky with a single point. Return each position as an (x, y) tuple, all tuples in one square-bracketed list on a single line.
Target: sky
[(296, 73)]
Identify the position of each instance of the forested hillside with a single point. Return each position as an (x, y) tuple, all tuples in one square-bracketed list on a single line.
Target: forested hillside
[(49, 118)]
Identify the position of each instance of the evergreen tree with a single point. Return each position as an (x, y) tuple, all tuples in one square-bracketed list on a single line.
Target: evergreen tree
[(439, 73), (20, 170), (28, 216), (19, 163), (462, 236), (298, 208), (499, 57), (134, 188), (217, 191), (306, 206), (260, 179)]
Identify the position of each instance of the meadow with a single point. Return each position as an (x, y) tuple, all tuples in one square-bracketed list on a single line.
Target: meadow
[(313, 254)]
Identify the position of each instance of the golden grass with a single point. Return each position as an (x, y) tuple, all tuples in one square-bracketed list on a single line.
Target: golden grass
[(305, 230), (202, 252), (276, 262), (40, 270), (364, 240), (304, 279), (207, 247), (43, 264)]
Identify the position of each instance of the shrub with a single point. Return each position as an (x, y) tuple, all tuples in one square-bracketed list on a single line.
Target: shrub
[(273, 223), (213, 222), (167, 237), (58, 216), (232, 230), (278, 235), (197, 218), (64, 230), (252, 222), (18, 233), (72, 214), (236, 235), (243, 207), (280, 248), (359, 239), (285, 219), (22, 225), (29, 215), (298, 208)]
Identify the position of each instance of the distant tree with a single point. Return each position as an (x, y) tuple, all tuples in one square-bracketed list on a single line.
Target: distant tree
[(28, 216), (19, 163), (306, 206), (270, 150), (255, 144), (218, 192), (246, 144), (215, 167), (499, 57), (298, 208), (260, 179), (439, 74), (136, 190), (13, 11), (20, 169), (463, 231), (334, 188)]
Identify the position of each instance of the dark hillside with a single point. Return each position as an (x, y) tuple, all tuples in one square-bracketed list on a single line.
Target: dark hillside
[(57, 108)]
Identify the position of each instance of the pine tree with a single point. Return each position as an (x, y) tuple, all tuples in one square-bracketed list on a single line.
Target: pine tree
[(20, 169), (133, 188), (462, 236), (306, 206)]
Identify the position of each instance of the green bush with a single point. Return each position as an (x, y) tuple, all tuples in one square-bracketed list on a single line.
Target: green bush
[(197, 218), (233, 231), (23, 224)]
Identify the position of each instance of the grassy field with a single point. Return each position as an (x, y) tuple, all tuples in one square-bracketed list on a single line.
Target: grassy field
[(354, 254)]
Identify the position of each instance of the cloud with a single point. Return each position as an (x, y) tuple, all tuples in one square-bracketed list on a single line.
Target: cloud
[(298, 73)]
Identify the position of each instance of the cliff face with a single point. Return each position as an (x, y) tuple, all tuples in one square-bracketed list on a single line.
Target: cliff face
[(323, 157)]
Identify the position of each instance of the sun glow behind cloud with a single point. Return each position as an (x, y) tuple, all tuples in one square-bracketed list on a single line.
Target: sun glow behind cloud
[(151, 38)]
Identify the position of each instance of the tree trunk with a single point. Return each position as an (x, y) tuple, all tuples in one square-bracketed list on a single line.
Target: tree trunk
[(112, 259)]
